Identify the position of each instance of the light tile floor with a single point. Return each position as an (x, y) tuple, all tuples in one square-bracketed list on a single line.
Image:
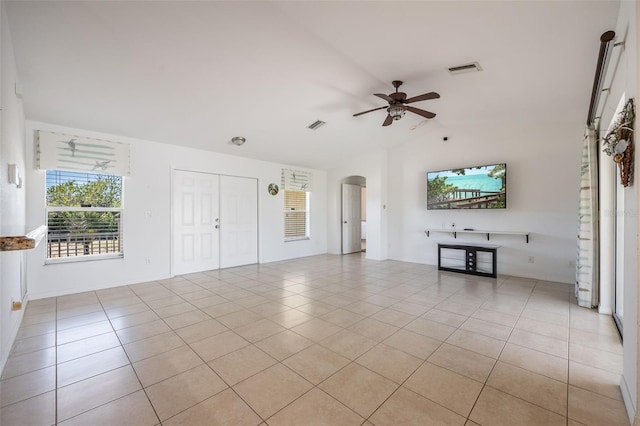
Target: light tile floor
[(335, 340)]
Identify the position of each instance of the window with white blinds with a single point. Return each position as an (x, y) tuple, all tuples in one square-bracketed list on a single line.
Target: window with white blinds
[(296, 215), (84, 213)]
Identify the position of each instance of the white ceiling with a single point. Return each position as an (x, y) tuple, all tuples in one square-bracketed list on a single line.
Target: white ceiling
[(199, 73)]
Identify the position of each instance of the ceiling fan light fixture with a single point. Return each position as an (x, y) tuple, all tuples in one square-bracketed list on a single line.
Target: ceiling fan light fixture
[(397, 111), (238, 140)]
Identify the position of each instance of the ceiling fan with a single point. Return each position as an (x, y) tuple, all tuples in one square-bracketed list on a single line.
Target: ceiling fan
[(398, 104)]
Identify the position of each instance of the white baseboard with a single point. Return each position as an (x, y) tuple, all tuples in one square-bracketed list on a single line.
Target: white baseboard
[(605, 310), (629, 402), (13, 332)]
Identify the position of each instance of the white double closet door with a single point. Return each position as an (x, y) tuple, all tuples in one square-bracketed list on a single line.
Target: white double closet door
[(215, 221)]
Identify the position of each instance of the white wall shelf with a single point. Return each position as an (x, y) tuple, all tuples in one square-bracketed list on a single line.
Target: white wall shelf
[(18, 239), (455, 232)]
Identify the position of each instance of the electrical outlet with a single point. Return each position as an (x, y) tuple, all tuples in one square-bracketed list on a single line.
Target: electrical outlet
[(147, 261), (532, 259)]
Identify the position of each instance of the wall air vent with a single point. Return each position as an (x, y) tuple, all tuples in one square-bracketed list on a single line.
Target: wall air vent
[(460, 69), (316, 125)]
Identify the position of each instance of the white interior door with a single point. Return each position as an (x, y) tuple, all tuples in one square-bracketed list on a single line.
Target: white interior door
[(238, 221), (195, 222), (351, 218)]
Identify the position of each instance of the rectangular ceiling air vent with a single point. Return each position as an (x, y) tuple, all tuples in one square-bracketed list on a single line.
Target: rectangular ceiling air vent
[(316, 125), (460, 69)]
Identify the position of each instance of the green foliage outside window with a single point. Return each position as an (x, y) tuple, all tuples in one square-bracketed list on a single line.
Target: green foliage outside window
[(91, 193)]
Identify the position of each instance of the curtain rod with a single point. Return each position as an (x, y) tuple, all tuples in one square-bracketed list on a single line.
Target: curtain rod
[(603, 59)]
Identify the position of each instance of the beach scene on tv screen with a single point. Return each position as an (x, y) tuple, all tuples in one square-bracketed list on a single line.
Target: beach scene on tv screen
[(482, 187)]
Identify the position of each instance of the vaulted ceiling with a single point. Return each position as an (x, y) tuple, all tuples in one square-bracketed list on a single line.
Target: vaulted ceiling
[(198, 73)]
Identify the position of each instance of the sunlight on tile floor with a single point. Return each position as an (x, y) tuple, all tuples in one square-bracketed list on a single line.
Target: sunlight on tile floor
[(335, 340)]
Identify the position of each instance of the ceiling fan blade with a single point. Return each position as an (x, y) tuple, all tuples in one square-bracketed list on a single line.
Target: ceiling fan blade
[(424, 97), (385, 97), (364, 112), (425, 114), (388, 120)]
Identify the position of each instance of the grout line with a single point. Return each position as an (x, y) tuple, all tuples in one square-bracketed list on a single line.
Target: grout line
[(55, 341), (568, 362), (336, 278), (129, 359), (121, 346), (484, 384), (218, 375)]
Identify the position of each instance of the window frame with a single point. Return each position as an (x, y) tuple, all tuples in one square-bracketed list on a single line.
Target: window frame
[(85, 257), (307, 227)]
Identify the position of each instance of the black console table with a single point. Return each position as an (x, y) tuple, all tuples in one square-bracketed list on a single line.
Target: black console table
[(468, 259)]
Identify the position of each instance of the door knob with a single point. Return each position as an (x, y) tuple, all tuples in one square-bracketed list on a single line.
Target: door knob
[(345, 221), (217, 226)]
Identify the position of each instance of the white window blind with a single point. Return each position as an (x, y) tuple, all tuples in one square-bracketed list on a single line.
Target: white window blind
[(295, 215), (57, 151)]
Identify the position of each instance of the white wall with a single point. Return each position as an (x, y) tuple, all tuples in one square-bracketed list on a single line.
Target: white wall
[(12, 199), (373, 167), (542, 195), (624, 62), (148, 190)]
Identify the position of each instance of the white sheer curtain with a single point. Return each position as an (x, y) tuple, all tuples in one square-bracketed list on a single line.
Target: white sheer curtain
[(587, 262)]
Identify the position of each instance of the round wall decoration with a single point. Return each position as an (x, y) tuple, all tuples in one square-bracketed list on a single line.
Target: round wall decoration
[(273, 189)]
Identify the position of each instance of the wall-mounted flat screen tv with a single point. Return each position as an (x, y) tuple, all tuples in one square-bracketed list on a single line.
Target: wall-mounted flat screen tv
[(480, 187)]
